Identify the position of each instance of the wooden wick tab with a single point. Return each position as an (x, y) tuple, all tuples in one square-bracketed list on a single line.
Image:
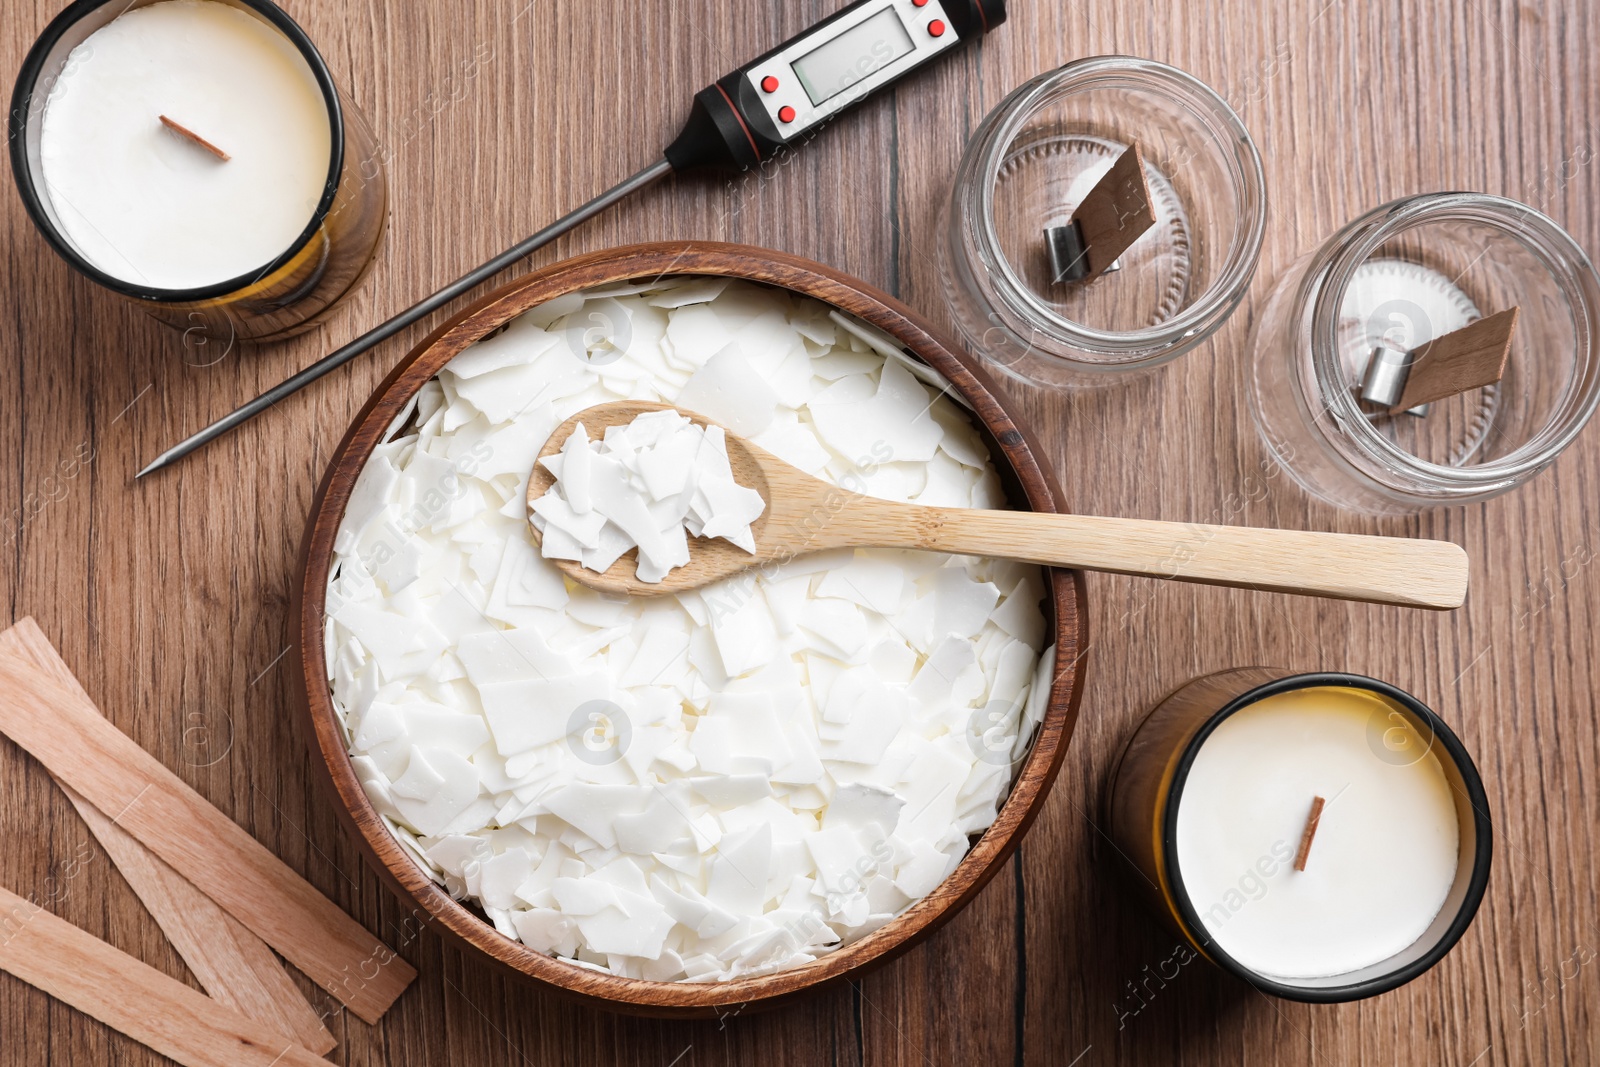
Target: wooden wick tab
[(190, 135), (1115, 214), (1317, 804), (1469, 358)]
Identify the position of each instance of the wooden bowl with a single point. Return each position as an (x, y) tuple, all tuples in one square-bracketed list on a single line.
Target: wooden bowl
[(1027, 481)]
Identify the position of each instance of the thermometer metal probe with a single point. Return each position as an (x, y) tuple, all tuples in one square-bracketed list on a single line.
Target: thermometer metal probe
[(738, 121)]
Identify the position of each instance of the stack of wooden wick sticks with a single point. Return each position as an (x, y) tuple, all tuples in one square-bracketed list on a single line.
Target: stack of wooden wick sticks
[(223, 900)]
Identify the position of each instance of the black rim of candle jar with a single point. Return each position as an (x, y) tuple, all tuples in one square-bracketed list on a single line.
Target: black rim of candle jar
[(30, 185), (1482, 830)]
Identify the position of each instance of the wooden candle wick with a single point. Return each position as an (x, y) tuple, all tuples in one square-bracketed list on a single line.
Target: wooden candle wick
[(1310, 832), (185, 132), (1469, 358), (1111, 217)]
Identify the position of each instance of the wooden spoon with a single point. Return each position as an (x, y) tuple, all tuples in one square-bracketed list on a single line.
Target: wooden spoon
[(805, 514)]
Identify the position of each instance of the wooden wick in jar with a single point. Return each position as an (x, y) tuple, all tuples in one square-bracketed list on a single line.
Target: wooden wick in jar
[(1113, 216), (190, 135), (1465, 359), (1469, 358), (1310, 832)]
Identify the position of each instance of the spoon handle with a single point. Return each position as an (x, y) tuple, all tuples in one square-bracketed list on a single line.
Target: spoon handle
[(1380, 570)]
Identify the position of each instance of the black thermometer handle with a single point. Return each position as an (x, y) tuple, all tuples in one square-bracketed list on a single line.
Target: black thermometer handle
[(748, 116)]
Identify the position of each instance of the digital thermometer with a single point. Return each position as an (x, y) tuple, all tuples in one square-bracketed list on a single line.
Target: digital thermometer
[(748, 116), (738, 121)]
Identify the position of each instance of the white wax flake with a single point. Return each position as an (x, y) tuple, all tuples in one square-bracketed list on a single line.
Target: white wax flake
[(961, 605), (742, 626), (869, 730), (368, 501), (888, 346), (643, 486), (871, 580), (535, 712), (697, 333), (739, 872), (859, 418), (841, 858), (704, 786), (728, 390), (867, 808), (836, 627), (594, 809), (523, 582), (436, 788), (519, 343), (740, 735), (793, 442), (492, 656), (661, 658)]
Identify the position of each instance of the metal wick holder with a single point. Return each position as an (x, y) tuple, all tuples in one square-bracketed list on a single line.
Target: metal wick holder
[(1116, 211), (1069, 253), (1384, 381)]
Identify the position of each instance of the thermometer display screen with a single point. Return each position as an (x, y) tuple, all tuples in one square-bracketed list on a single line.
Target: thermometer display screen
[(859, 51)]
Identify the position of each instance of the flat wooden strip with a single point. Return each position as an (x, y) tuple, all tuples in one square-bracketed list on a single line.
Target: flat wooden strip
[(1469, 358), (66, 733), (1116, 212), (234, 966), (134, 998)]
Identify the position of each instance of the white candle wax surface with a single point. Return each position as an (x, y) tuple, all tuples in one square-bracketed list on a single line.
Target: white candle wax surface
[(151, 208), (1384, 855)]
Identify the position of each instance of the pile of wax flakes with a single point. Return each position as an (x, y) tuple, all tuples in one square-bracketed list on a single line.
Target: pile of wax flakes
[(649, 485), (692, 787)]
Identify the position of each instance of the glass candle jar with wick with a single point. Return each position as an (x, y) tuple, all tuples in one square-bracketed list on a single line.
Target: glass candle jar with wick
[(1324, 837), (194, 156), (1407, 273), (1029, 167)]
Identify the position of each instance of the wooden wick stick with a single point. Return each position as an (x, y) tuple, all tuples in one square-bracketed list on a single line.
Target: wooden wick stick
[(188, 134), (63, 729), (234, 966), (1469, 358), (1111, 217), (132, 998), (1317, 804)]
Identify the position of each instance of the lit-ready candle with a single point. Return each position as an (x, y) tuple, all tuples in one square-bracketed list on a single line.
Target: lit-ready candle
[(1383, 858), (152, 208)]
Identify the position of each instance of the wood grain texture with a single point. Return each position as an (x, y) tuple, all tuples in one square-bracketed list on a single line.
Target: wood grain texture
[(1027, 482), (60, 728), (1469, 358), (233, 966), (806, 514), (80, 970), (1116, 211), (496, 115)]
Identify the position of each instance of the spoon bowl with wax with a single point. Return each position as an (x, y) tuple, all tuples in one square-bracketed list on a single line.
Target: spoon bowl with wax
[(613, 506)]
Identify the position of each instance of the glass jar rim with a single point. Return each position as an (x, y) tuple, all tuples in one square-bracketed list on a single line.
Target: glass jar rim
[(1554, 247), (23, 106), (1196, 97)]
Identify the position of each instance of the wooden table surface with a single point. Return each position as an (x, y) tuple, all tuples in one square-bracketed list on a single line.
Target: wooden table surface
[(170, 597)]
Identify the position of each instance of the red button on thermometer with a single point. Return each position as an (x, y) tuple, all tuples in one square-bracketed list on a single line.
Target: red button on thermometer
[(739, 120)]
